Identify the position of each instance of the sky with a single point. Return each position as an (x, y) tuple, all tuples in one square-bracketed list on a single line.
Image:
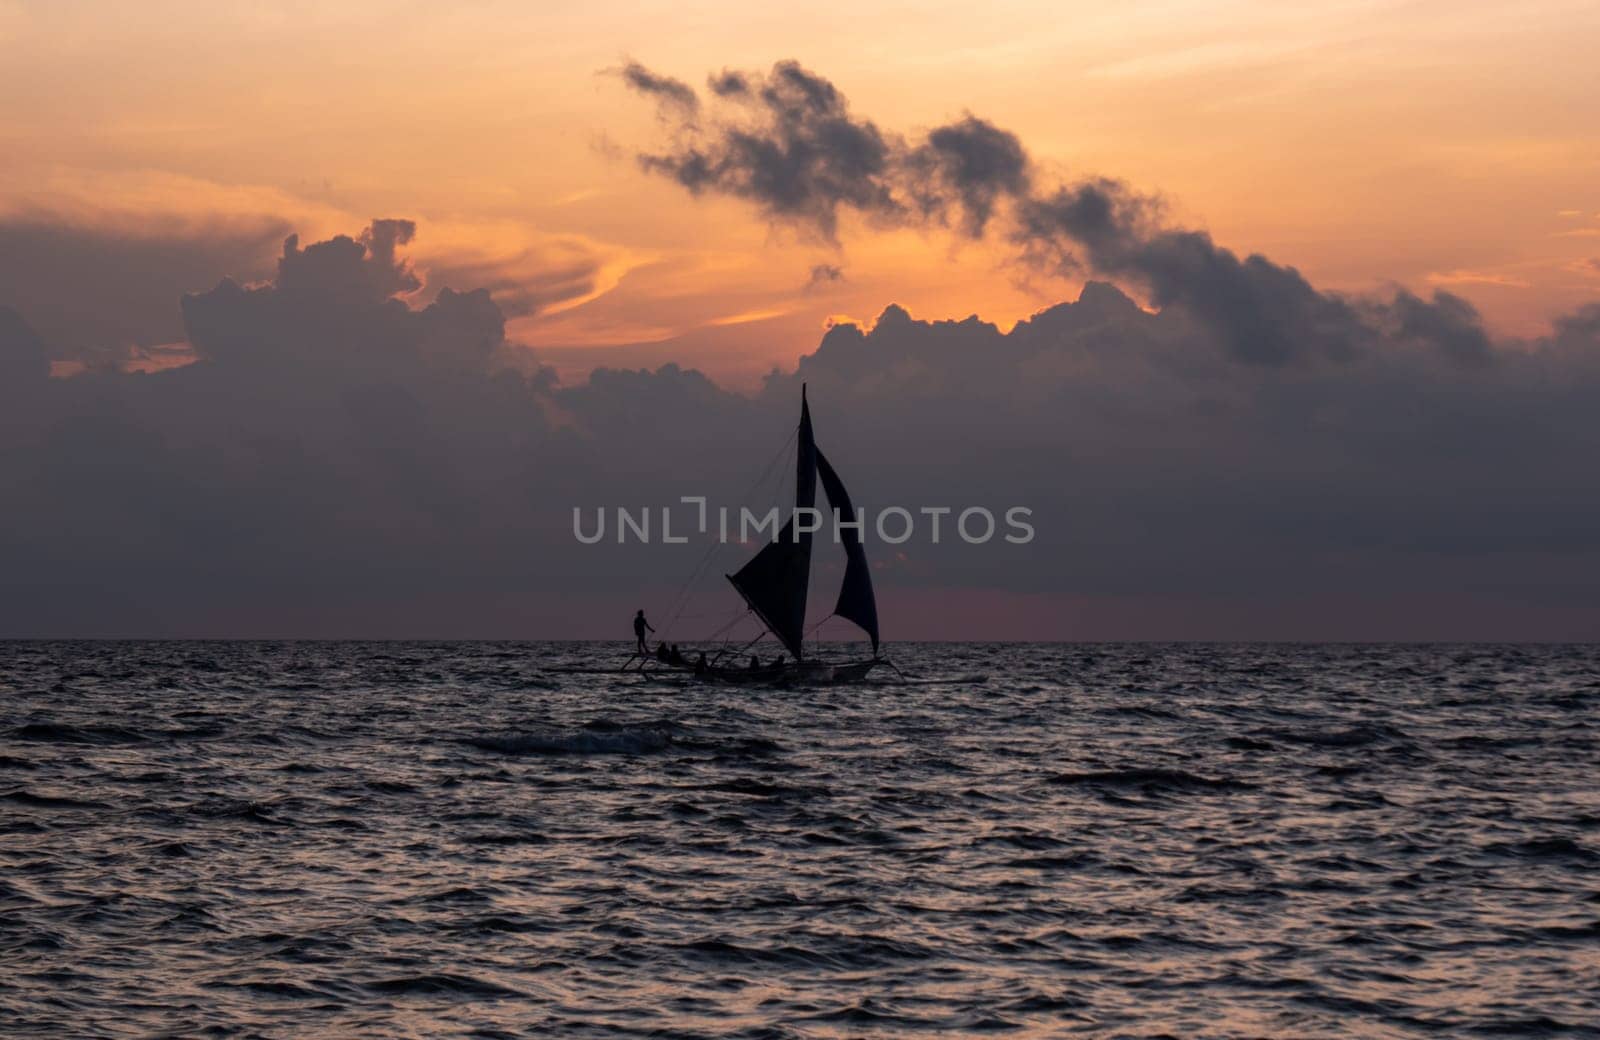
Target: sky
[(1348, 252), (1426, 144)]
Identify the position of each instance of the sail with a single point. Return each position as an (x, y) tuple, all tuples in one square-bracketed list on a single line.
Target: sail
[(856, 601), (774, 582)]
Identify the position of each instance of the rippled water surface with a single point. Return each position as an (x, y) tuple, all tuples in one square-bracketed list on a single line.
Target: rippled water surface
[(406, 839)]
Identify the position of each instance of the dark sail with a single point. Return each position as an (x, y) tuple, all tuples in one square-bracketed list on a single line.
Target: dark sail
[(856, 601), (774, 582)]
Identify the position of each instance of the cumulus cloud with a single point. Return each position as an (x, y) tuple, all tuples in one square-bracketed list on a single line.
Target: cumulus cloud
[(796, 151), (1162, 471), (369, 268), (98, 263), (345, 461), (339, 457), (97, 293), (1247, 456)]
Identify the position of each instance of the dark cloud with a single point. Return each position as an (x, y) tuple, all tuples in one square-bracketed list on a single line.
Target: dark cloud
[(728, 83), (788, 143), (341, 462), (671, 93), (23, 356), (92, 293), (333, 305), (973, 162), (1262, 312), (1579, 327), (1161, 471), (1446, 323), (337, 459), (801, 157), (824, 274), (369, 268), (798, 154), (1253, 457)]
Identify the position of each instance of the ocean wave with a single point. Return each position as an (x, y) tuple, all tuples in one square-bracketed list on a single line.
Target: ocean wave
[(1151, 779), (65, 733), (1546, 849), (441, 984), (1353, 736), (34, 800), (426, 847), (581, 742)]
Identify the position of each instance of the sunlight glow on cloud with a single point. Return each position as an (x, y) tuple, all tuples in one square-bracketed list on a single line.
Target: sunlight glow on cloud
[(1463, 277), (746, 317)]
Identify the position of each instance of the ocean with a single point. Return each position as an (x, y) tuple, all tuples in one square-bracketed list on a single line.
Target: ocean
[(262, 839)]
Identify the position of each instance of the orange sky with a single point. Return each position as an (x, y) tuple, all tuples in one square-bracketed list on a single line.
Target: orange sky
[(1452, 145)]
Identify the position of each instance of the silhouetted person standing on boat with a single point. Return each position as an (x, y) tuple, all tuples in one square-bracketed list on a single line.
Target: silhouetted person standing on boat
[(640, 627)]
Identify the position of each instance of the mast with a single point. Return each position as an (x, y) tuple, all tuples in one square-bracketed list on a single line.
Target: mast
[(773, 584)]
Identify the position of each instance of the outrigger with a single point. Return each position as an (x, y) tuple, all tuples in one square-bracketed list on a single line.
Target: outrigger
[(774, 584)]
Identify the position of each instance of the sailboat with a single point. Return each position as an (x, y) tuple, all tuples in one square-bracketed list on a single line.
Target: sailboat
[(774, 583)]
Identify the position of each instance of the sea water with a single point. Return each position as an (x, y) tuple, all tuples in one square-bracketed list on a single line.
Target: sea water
[(482, 840)]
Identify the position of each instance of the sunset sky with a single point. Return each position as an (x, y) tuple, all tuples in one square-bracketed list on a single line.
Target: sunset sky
[(321, 319), (1435, 145)]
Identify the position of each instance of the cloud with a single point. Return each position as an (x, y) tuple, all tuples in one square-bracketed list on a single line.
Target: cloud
[(787, 142), (1262, 312), (359, 450), (23, 356), (334, 304), (824, 274), (973, 162), (1465, 277), (530, 275), (1446, 323), (671, 93), (369, 268), (96, 293), (339, 457), (97, 263), (344, 460), (1155, 469), (801, 157)]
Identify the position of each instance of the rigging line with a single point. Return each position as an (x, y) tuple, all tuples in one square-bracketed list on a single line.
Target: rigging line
[(819, 624), (727, 625), (680, 601), (724, 652)]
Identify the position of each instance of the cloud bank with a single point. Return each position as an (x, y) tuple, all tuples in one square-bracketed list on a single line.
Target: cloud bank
[(99, 264), (1245, 456)]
